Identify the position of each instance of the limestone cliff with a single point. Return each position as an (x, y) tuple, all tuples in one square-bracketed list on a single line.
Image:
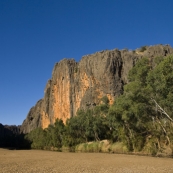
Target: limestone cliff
[(81, 85)]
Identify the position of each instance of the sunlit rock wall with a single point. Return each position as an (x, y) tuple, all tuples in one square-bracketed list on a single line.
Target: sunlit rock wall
[(82, 85)]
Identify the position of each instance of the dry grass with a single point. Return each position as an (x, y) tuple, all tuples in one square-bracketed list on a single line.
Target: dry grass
[(103, 146), (37, 161)]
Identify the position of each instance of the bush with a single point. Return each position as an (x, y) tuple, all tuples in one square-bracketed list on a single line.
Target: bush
[(118, 147), (143, 48)]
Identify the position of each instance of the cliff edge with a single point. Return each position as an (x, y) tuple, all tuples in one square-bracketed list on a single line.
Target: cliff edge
[(80, 85)]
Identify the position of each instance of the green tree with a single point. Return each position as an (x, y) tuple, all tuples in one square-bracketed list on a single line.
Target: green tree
[(37, 138), (129, 114), (160, 81)]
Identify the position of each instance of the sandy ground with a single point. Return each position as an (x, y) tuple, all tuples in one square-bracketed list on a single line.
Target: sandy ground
[(35, 161)]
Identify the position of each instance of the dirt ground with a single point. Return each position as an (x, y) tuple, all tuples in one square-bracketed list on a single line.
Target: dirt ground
[(35, 161)]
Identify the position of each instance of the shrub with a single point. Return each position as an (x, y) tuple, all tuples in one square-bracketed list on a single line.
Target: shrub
[(143, 48)]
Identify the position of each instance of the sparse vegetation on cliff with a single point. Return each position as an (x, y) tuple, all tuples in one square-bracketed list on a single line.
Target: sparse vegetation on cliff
[(143, 48)]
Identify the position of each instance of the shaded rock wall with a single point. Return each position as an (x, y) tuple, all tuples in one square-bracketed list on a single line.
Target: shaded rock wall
[(81, 85), (7, 132)]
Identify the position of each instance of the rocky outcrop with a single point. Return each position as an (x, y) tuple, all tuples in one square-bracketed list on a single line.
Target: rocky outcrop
[(82, 85), (33, 119), (7, 130)]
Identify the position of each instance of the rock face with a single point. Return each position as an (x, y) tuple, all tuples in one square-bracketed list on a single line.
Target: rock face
[(82, 85), (7, 130)]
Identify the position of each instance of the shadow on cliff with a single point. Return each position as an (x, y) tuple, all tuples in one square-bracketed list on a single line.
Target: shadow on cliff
[(11, 138), (15, 142)]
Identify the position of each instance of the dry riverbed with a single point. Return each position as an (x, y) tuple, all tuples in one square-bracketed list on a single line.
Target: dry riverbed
[(37, 161)]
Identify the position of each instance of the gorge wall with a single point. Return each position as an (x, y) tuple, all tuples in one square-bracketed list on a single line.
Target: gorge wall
[(80, 85)]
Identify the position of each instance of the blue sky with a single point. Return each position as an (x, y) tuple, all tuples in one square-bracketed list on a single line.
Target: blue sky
[(35, 34)]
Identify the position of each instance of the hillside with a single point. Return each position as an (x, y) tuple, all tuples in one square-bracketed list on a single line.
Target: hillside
[(81, 85)]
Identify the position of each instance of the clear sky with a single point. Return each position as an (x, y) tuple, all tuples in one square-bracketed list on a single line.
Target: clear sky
[(35, 34)]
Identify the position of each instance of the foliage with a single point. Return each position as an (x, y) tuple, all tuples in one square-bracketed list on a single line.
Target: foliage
[(105, 100), (48, 138), (143, 48), (133, 116)]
